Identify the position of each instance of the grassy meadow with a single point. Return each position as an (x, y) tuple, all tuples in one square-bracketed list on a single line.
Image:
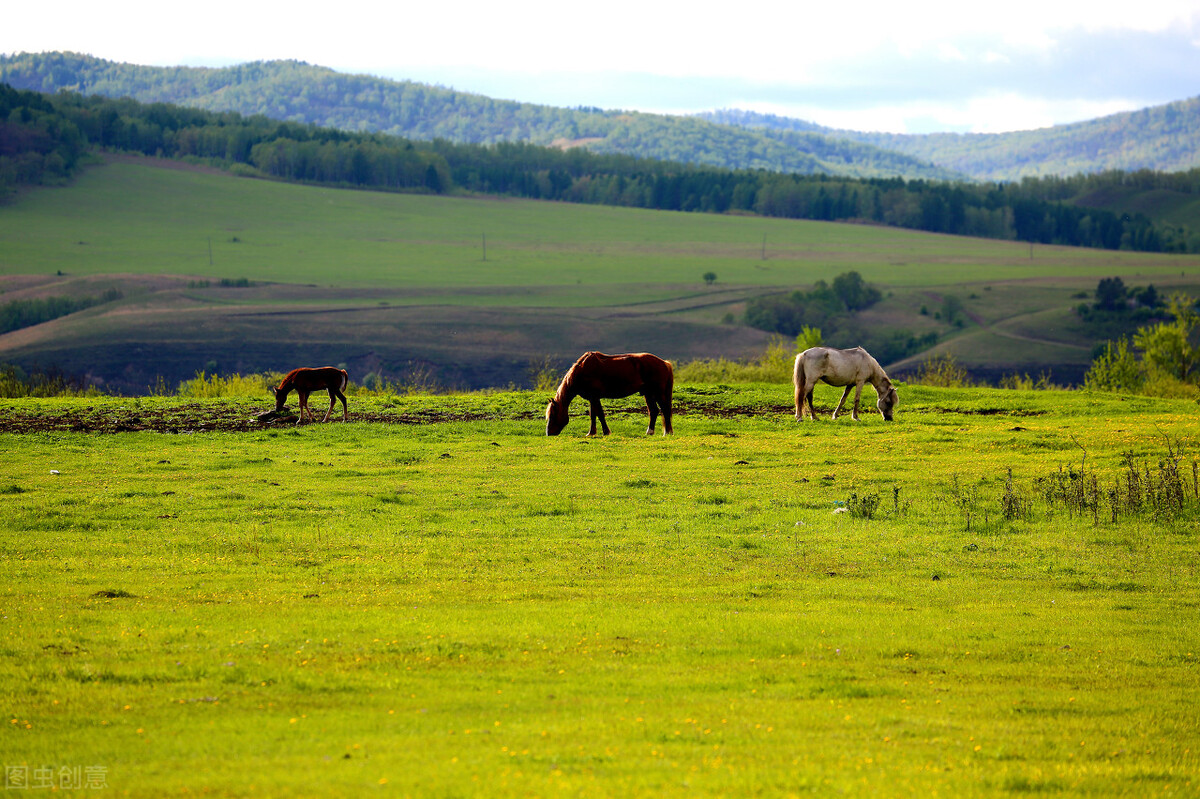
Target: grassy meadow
[(478, 289), (465, 607), (135, 217)]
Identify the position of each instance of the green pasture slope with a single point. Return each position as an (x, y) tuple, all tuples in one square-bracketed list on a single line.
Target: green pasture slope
[(380, 282), (468, 608)]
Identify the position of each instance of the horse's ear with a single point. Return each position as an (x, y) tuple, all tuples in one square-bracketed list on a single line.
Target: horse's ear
[(272, 389)]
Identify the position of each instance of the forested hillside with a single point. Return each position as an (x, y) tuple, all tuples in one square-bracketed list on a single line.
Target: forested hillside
[(45, 138), (298, 92), (1164, 138)]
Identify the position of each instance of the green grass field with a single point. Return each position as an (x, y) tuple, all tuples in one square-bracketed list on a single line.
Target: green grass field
[(466, 607), (392, 283), (142, 219)]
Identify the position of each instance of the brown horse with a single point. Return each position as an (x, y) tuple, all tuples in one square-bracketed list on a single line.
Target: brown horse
[(305, 381), (849, 368), (596, 376)]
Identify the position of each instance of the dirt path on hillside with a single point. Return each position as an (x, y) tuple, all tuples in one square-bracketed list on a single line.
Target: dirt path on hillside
[(984, 326)]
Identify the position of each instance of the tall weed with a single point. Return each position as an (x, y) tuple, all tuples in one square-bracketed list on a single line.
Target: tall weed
[(16, 383), (773, 366), (206, 386), (943, 371)]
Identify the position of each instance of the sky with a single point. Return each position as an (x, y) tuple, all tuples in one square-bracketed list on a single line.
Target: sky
[(917, 67)]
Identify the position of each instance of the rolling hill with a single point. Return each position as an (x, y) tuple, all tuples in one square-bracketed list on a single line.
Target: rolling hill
[(1161, 138), (206, 271), (298, 92), (1164, 138)]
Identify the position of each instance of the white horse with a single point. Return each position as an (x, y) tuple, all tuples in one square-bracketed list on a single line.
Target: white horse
[(849, 368)]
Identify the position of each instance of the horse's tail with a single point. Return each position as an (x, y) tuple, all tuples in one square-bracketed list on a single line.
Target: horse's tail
[(345, 381), (799, 383)]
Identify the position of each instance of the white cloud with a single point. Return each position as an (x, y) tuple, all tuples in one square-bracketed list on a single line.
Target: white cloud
[(948, 52)]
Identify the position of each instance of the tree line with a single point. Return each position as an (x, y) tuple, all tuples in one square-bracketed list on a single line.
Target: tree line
[(43, 139), (26, 313)]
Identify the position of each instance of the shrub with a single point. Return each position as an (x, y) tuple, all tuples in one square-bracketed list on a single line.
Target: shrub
[(863, 507), (205, 386), (943, 371), (773, 366), (1027, 383), (1116, 369)]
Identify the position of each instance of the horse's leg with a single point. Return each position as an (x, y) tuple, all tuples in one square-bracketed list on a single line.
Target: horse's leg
[(597, 412), (603, 421), (842, 402), (857, 394), (332, 402), (345, 410), (812, 410), (303, 397), (652, 409), (665, 405)]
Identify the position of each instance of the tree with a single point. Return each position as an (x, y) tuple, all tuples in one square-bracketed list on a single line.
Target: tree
[(854, 291), (433, 181), (808, 337), (952, 308), (710, 278), (1168, 345), (1110, 294), (1116, 369), (1148, 297)]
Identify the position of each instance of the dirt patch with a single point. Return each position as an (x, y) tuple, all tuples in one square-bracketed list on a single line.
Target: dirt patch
[(206, 417), (215, 417), (196, 418)]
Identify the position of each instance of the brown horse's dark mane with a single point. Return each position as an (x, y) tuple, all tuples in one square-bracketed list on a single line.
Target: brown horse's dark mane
[(566, 388)]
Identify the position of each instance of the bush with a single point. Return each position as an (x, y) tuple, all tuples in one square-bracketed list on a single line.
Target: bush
[(773, 366), (863, 507), (205, 386), (943, 371), (1026, 383)]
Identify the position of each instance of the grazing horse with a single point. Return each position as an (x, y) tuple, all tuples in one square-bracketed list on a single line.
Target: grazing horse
[(305, 381), (597, 376), (849, 368)]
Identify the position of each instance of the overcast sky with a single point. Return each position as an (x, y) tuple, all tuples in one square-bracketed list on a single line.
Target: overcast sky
[(914, 67)]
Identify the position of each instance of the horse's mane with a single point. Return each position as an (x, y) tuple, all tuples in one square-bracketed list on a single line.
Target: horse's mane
[(288, 380), (566, 387)]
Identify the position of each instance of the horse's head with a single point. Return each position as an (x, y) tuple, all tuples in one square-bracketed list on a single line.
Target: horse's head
[(556, 417), (280, 397), (888, 399)]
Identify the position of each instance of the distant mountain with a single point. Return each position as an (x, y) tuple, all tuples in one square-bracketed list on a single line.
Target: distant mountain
[(299, 92), (1164, 138)]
